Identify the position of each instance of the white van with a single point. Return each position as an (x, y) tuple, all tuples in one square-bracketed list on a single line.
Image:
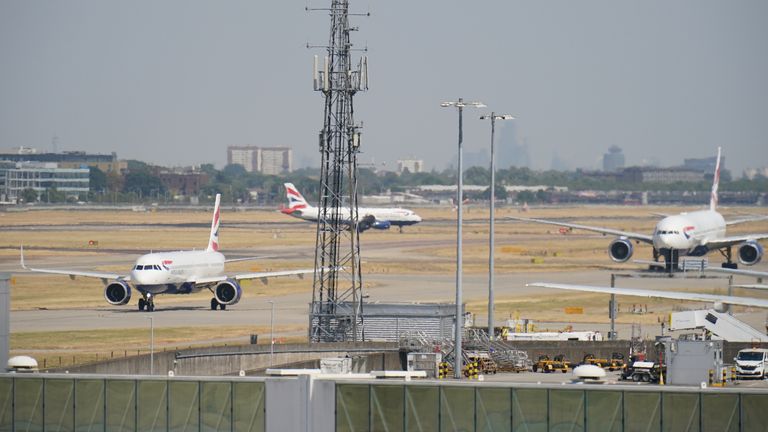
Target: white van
[(752, 363)]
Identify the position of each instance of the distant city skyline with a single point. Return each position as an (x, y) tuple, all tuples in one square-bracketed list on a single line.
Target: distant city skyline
[(177, 82)]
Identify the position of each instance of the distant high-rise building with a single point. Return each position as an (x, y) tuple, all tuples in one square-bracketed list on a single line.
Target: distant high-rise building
[(266, 160), (705, 165), (613, 160), (276, 160), (247, 157), (558, 163), (412, 165), (508, 151)]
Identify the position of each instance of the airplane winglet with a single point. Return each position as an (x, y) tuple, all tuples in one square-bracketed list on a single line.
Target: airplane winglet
[(22, 258)]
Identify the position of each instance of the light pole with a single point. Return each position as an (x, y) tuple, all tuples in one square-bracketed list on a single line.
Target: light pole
[(271, 333), (457, 351), (492, 218), (151, 345)]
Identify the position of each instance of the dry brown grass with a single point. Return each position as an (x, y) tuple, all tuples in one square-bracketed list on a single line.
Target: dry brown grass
[(54, 349)]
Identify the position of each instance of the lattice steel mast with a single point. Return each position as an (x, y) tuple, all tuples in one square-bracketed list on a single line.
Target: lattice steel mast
[(336, 308)]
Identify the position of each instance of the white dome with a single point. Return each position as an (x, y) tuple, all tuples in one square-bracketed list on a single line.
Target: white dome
[(588, 372), (22, 362)]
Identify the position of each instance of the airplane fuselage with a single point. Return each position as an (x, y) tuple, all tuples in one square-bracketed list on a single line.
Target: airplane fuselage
[(395, 216), (689, 232), (168, 272)]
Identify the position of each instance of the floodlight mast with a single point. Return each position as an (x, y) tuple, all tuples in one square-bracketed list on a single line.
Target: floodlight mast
[(492, 218), (458, 352), (336, 308)]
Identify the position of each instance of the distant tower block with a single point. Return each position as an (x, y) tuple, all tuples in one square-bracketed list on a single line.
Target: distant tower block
[(613, 160), (336, 309)]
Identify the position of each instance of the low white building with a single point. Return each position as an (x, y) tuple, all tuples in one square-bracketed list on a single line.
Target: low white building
[(42, 177)]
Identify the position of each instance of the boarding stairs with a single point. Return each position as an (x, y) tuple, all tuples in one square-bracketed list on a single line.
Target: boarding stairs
[(721, 325)]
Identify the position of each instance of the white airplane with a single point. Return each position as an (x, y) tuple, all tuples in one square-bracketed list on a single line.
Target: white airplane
[(181, 272), (693, 234), (376, 218)]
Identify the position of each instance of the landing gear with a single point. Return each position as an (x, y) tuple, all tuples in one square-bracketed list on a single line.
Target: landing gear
[(147, 303), (729, 264), (671, 260), (215, 303)]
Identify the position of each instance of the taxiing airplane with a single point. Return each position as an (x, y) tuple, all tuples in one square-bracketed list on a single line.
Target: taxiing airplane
[(376, 218), (181, 272), (692, 234)]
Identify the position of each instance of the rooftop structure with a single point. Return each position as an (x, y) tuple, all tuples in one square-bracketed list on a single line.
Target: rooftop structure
[(107, 163)]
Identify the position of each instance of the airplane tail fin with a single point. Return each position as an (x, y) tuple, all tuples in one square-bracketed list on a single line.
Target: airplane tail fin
[(715, 182), (295, 200), (213, 241)]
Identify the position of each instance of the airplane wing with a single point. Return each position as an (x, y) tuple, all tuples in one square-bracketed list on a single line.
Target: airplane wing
[(733, 240), (677, 295), (634, 236), (256, 275), (752, 218), (73, 273), (738, 272), (249, 258), (752, 286)]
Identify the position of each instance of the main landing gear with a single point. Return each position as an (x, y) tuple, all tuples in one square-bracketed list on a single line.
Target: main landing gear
[(215, 303), (147, 302), (729, 264)]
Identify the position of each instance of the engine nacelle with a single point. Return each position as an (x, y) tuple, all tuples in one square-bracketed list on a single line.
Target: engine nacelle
[(720, 307), (117, 293), (620, 250), (228, 292), (750, 253), (381, 225)]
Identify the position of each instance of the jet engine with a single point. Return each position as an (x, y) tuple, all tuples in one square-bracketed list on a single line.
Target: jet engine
[(228, 292), (750, 253), (381, 225), (620, 249), (117, 293), (720, 307)]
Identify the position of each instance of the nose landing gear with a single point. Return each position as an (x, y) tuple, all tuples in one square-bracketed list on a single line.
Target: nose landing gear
[(147, 302)]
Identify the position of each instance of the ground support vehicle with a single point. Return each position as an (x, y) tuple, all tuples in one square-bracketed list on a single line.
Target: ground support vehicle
[(752, 363), (547, 365), (643, 371)]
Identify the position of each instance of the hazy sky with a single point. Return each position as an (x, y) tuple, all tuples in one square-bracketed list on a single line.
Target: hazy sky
[(174, 82)]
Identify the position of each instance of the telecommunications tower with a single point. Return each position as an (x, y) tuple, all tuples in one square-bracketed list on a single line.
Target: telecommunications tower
[(336, 309)]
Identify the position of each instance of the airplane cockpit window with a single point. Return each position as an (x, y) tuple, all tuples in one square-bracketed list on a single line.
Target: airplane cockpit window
[(157, 267), (139, 267)]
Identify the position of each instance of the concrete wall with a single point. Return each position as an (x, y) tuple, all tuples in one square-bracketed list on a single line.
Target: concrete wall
[(220, 361)]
